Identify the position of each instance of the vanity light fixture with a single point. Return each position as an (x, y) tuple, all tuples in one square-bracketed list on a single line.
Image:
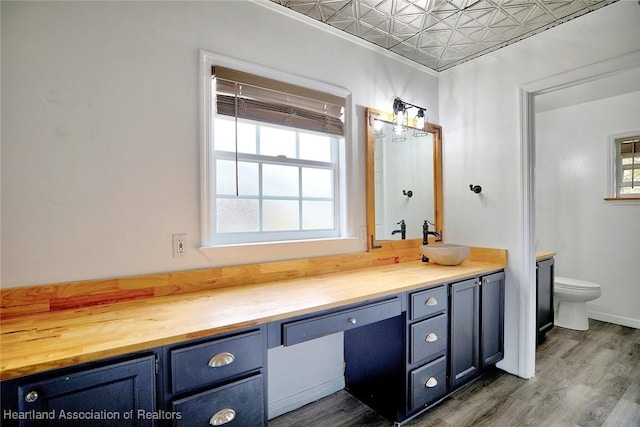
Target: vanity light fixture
[(400, 119), (421, 122)]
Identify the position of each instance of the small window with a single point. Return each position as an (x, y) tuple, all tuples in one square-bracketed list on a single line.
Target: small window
[(276, 154), (627, 168)]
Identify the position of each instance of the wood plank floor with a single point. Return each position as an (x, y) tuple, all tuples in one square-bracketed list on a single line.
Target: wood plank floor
[(589, 378)]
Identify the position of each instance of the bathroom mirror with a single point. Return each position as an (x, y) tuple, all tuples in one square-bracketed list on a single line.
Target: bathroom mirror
[(404, 181)]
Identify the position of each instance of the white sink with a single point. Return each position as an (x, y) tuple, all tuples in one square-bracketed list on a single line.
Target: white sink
[(446, 253)]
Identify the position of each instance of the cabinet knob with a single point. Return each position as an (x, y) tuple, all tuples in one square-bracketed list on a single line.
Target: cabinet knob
[(352, 320), (431, 301), (221, 359), (431, 382), (431, 337), (32, 396), (222, 417)]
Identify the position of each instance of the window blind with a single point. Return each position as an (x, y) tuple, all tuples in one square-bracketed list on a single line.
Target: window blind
[(630, 148), (244, 95)]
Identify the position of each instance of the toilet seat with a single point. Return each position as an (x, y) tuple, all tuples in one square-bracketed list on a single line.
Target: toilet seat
[(575, 284)]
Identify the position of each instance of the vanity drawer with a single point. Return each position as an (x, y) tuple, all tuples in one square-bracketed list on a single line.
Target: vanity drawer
[(429, 338), (315, 327), (237, 404), (428, 383), (428, 302), (216, 360)]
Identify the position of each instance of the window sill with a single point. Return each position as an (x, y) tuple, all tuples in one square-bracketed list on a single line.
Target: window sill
[(281, 251), (623, 200)]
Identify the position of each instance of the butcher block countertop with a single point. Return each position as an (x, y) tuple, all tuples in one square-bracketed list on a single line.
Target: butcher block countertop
[(43, 341), (544, 255)]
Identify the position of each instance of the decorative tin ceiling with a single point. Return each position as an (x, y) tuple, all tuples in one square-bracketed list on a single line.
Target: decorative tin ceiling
[(441, 34)]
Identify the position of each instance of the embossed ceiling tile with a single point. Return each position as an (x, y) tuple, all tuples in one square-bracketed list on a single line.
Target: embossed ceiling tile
[(482, 16), (559, 8), (404, 49), (443, 5), (380, 39), (309, 8), (462, 42), (452, 54), (426, 41), (320, 10), (402, 30), (429, 55), (443, 33)]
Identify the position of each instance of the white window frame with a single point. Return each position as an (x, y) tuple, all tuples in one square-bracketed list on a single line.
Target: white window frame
[(612, 170), (232, 254), (226, 238)]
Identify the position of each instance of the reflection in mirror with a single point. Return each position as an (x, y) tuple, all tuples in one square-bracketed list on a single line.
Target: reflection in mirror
[(404, 181)]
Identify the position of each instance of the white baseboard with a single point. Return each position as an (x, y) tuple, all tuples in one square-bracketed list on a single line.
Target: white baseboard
[(510, 368), (612, 318), (298, 400)]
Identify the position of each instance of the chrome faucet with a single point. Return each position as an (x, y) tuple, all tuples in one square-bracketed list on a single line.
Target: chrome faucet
[(402, 231), (425, 236)]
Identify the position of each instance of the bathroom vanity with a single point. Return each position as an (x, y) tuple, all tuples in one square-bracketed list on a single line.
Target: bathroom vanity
[(413, 333)]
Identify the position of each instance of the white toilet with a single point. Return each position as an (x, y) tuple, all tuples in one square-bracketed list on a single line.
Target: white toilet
[(570, 296)]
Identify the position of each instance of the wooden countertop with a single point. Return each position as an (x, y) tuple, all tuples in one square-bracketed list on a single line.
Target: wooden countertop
[(544, 255), (40, 342)]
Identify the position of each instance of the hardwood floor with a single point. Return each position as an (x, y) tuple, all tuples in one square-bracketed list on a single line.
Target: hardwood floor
[(589, 378)]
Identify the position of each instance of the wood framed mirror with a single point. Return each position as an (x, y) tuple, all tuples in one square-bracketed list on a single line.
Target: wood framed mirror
[(404, 182)]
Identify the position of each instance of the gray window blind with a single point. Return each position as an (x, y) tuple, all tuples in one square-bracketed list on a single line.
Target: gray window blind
[(252, 97), (630, 148)]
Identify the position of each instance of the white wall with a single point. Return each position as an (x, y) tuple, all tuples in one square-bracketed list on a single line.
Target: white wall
[(595, 240), (479, 112), (100, 124)]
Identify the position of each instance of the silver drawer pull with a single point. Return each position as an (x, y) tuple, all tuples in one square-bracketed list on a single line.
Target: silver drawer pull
[(32, 396), (431, 301), (352, 320), (431, 337), (222, 417), (221, 359), (431, 382)]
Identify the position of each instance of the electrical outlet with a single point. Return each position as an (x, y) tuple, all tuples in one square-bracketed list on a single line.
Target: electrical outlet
[(179, 244)]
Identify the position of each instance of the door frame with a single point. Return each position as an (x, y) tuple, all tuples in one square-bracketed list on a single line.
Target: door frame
[(528, 92)]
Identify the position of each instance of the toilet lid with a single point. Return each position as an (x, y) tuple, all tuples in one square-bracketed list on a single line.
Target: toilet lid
[(575, 283)]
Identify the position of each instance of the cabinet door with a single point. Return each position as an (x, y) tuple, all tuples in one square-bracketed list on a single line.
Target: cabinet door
[(492, 319), (121, 394), (544, 296), (465, 339)]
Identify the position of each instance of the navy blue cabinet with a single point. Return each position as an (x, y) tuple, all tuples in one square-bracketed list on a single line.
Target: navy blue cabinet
[(544, 296), (220, 380), (491, 319), (119, 393), (477, 326), (464, 360)]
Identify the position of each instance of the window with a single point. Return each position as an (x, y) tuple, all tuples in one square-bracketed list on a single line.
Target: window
[(274, 160), (280, 185), (627, 167)]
